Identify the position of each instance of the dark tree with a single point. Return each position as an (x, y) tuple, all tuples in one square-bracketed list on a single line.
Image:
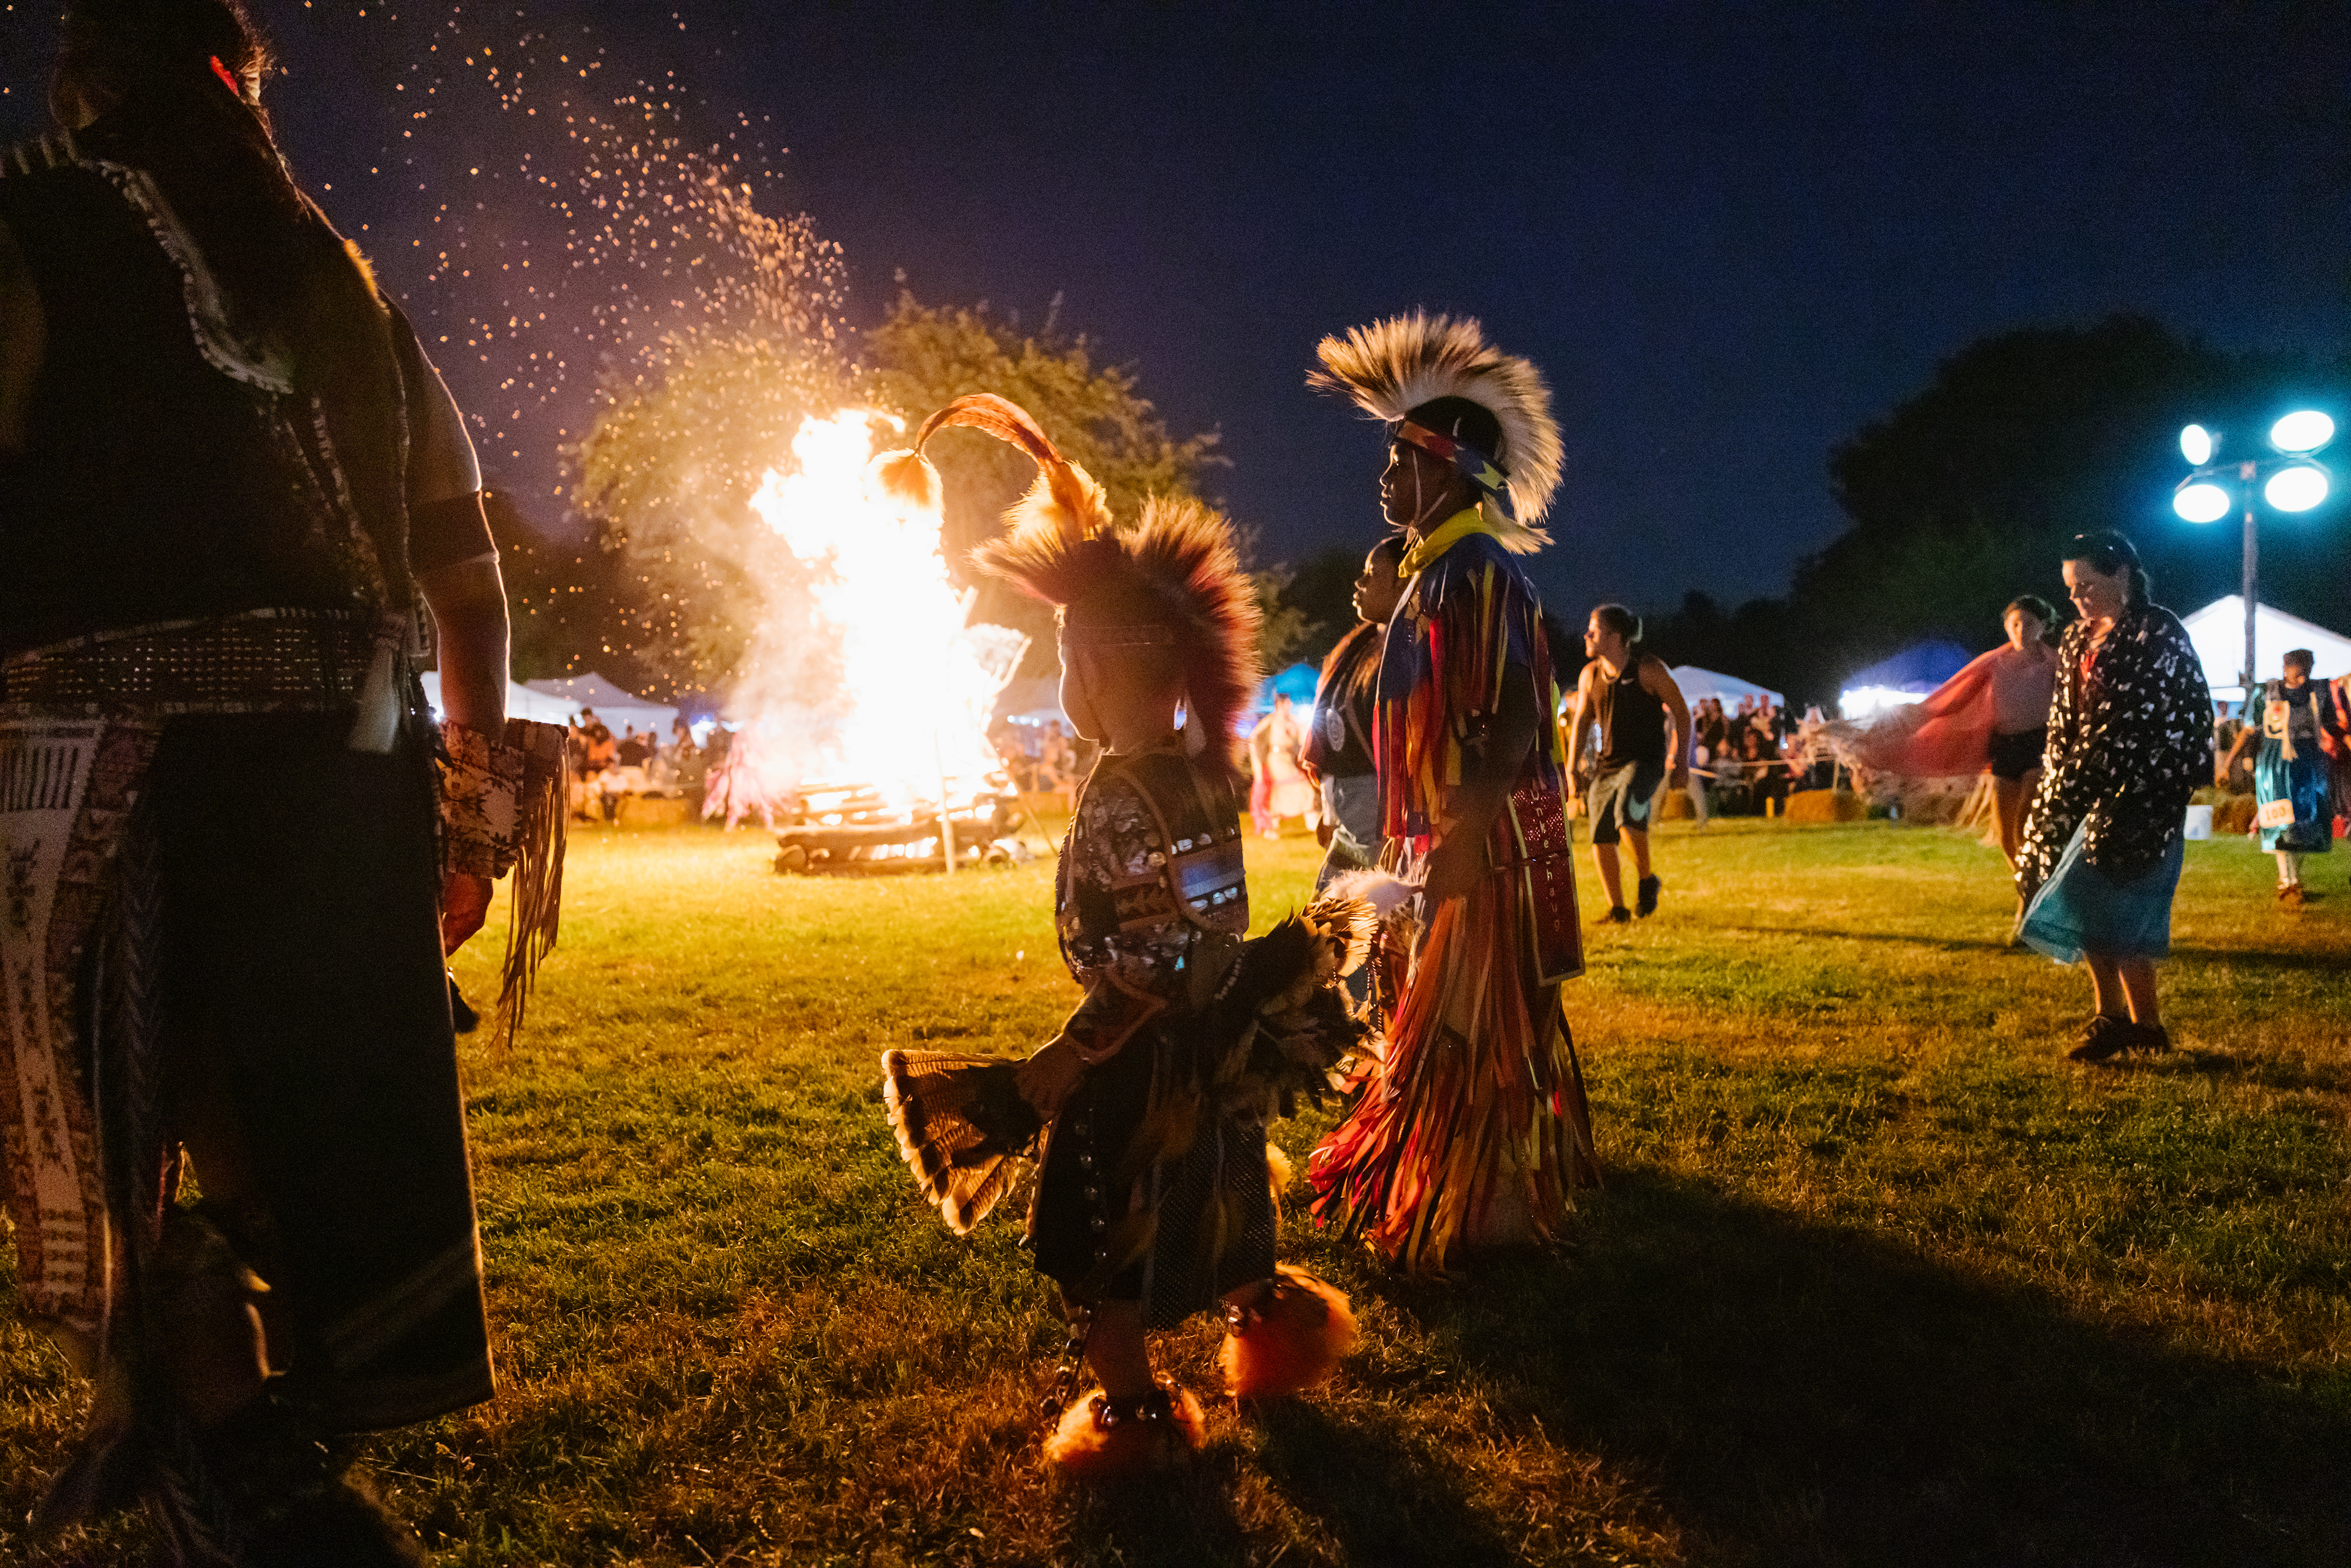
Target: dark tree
[(1760, 641), (570, 601), (1321, 589), (1964, 496)]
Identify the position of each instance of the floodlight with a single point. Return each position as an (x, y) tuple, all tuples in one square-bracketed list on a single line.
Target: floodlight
[(2203, 503), (2296, 487), (2305, 431), (2196, 445)]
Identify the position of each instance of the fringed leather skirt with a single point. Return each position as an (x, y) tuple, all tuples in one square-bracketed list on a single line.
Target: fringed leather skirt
[(1175, 1237)]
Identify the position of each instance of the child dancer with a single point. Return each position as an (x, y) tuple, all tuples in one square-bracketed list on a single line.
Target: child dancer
[(1153, 1199)]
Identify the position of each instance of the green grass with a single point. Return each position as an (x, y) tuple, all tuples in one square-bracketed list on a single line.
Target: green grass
[(1878, 1277)]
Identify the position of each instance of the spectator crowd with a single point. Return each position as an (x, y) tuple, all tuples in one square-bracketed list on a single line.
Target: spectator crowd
[(607, 768)]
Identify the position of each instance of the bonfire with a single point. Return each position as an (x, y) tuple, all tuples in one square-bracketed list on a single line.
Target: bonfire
[(892, 768)]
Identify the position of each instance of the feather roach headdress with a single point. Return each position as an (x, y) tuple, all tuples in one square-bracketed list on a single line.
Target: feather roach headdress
[(1450, 393), (1168, 586)]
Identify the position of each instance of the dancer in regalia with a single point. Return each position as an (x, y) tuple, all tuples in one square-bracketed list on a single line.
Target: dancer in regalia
[(2290, 777), (230, 488), (1474, 1128), (1154, 1200)]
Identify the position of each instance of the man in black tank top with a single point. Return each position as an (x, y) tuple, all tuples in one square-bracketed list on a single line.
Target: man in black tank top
[(1645, 729)]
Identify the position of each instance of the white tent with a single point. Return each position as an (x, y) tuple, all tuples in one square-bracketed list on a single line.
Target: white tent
[(2218, 630), (620, 711), (1037, 700), (521, 701), (1696, 683)]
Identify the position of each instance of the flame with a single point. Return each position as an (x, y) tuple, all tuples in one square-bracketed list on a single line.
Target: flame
[(917, 684)]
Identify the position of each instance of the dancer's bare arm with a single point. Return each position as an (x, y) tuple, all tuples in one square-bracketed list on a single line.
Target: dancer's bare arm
[(1659, 683), (1579, 715), (468, 600)]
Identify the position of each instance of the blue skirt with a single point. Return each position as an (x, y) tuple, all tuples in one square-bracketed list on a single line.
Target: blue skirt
[(2082, 909), (2302, 782)]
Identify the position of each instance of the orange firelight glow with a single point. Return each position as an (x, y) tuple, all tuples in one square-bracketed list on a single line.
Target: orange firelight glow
[(918, 683)]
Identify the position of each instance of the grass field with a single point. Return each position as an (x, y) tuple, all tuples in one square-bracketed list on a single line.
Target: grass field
[(1878, 1277)]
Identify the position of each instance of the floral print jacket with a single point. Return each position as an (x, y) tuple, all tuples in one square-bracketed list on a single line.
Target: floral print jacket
[(2130, 736)]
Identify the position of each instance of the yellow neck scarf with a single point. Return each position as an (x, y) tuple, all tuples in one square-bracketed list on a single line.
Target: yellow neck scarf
[(1455, 529)]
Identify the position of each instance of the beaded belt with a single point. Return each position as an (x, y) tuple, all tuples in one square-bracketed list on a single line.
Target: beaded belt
[(261, 661)]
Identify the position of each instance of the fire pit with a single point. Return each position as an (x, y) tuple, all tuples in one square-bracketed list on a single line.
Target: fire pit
[(865, 697), (852, 828)]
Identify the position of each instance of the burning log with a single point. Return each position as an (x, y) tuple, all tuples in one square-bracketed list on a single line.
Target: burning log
[(869, 670), (853, 830)]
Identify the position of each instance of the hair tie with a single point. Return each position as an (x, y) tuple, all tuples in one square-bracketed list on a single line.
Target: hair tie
[(227, 80)]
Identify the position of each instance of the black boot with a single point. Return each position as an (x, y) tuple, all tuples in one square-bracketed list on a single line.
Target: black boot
[(261, 1491)]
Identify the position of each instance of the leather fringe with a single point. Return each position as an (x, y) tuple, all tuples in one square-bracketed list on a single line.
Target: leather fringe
[(535, 915)]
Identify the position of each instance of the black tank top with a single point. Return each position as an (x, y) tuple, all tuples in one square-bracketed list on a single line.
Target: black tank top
[(1632, 720)]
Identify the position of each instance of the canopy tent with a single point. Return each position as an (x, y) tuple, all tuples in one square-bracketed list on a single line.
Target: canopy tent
[(1297, 682), (1919, 669), (1697, 684), (1037, 700), (2218, 630), (521, 701), (620, 711), (1910, 674)]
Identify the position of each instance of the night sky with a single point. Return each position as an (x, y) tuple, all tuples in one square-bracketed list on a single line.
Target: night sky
[(1730, 235)]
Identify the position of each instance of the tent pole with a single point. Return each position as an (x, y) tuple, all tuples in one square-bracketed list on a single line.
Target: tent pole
[(2252, 565)]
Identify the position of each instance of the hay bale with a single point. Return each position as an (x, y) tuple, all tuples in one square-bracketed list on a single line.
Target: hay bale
[(652, 812), (2232, 816), (1826, 806)]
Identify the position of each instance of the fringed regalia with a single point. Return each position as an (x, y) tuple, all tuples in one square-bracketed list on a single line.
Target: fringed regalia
[(1149, 1190), (1473, 1126), (1154, 1182), (2291, 778), (219, 810), (1153, 1187)]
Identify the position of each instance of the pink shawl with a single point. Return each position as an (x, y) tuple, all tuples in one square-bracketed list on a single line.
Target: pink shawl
[(1947, 733)]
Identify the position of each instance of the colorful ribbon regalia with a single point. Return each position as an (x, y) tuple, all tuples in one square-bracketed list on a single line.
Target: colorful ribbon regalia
[(1473, 1128)]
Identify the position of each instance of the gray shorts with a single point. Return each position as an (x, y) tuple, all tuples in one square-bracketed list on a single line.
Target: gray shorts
[(1621, 799)]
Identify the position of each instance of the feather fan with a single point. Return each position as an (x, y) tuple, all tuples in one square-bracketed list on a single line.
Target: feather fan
[(962, 1126)]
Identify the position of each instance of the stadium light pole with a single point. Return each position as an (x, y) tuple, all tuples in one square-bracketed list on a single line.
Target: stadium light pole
[(2297, 482)]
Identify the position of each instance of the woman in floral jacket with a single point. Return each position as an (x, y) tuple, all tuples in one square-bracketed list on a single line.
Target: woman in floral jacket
[(2130, 736)]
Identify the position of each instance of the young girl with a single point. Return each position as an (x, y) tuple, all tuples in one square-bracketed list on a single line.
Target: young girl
[(2296, 812)]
